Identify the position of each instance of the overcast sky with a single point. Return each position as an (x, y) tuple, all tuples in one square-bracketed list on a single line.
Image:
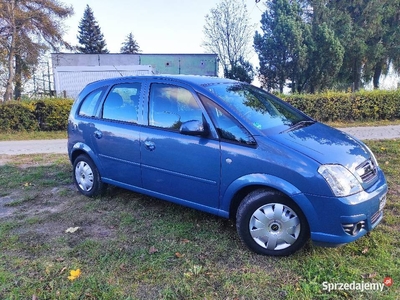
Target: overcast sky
[(159, 26)]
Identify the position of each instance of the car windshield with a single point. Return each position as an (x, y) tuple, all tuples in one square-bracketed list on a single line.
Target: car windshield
[(261, 109)]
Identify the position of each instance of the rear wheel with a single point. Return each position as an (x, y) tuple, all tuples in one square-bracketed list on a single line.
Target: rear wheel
[(86, 177), (269, 223)]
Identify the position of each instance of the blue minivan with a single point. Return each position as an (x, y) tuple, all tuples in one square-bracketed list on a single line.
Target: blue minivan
[(230, 149)]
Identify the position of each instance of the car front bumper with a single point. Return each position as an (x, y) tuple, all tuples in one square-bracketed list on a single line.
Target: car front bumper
[(336, 221)]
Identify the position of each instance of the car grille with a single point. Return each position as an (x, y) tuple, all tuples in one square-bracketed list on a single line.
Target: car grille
[(367, 171)]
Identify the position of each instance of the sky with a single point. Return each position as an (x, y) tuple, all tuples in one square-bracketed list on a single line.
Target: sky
[(159, 26)]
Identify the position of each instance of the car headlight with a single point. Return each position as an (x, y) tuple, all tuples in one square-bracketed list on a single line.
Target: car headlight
[(342, 182), (373, 158)]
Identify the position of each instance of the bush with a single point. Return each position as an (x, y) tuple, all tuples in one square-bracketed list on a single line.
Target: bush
[(52, 114), (15, 116), (360, 106), (44, 115)]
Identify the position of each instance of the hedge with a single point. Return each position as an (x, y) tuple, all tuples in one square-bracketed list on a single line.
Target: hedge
[(359, 106), (38, 115), (52, 114)]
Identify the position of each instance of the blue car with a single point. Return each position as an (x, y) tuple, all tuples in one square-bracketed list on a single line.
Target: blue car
[(230, 149)]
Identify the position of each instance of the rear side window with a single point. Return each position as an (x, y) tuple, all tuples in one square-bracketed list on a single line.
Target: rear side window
[(170, 106), (122, 103), (89, 105)]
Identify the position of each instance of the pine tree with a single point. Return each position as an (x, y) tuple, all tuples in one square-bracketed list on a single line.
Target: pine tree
[(280, 47), (297, 48), (90, 36), (130, 46)]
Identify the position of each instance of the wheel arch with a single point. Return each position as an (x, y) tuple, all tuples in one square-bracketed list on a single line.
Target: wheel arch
[(241, 187), (81, 148), (239, 196), (237, 190)]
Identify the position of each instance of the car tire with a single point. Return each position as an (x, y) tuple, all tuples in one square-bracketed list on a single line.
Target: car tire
[(87, 177), (270, 223)]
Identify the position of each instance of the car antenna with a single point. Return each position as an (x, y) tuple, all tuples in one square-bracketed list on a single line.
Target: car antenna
[(118, 71)]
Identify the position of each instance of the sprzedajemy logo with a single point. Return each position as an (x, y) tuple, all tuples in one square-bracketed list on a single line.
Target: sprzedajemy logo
[(357, 286)]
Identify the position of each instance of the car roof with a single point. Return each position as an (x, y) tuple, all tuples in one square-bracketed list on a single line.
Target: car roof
[(192, 79)]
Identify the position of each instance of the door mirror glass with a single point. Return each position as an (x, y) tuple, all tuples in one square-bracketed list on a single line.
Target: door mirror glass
[(193, 127)]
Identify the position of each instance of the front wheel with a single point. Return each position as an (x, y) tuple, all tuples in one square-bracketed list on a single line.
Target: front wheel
[(86, 177), (269, 223)]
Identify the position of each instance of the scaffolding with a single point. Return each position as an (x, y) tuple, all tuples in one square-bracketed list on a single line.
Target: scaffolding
[(43, 85)]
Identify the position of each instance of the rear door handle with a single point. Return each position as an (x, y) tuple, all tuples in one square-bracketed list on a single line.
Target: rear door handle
[(150, 145), (98, 134)]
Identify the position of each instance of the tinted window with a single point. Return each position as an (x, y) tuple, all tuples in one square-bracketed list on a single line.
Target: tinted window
[(89, 105), (227, 127), (122, 103), (170, 106), (263, 110)]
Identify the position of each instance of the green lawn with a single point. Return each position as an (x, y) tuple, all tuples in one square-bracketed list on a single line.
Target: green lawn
[(129, 246), (33, 135)]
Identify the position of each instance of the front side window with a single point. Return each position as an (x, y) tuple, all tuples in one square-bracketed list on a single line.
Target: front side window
[(170, 106), (261, 109), (227, 127), (122, 103)]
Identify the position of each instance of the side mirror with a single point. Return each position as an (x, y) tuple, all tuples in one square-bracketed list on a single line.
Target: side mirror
[(193, 127)]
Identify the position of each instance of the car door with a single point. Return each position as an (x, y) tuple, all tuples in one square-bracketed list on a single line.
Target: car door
[(238, 155), (116, 134), (182, 168)]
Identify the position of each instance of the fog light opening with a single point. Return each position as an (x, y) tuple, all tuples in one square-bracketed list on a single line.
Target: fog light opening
[(353, 228), (357, 228)]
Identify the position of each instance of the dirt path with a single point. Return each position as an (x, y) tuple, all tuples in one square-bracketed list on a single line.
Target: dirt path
[(374, 133), (33, 146)]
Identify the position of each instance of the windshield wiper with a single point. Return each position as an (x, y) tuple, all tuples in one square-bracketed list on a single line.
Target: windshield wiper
[(299, 125)]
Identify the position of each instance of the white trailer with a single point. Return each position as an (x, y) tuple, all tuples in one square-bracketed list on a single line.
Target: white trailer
[(70, 80)]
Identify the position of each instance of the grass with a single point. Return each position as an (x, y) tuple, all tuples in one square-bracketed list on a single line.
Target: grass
[(32, 135), (130, 246)]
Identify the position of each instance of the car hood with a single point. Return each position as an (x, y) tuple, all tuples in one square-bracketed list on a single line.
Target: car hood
[(325, 145)]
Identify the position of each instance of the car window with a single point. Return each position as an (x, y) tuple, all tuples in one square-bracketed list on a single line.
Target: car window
[(89, 104), (261, 109), (227, 127), (122, 103), (170, 106)]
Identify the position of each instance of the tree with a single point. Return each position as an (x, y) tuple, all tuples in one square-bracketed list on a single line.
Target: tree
[(228, 34), (89, 34), (281, 49), (325, 57), (297, 47), (369, 31), (242, 71), (319, 44), (383, 43), (27, 29), (130, 45), (324, 50)]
